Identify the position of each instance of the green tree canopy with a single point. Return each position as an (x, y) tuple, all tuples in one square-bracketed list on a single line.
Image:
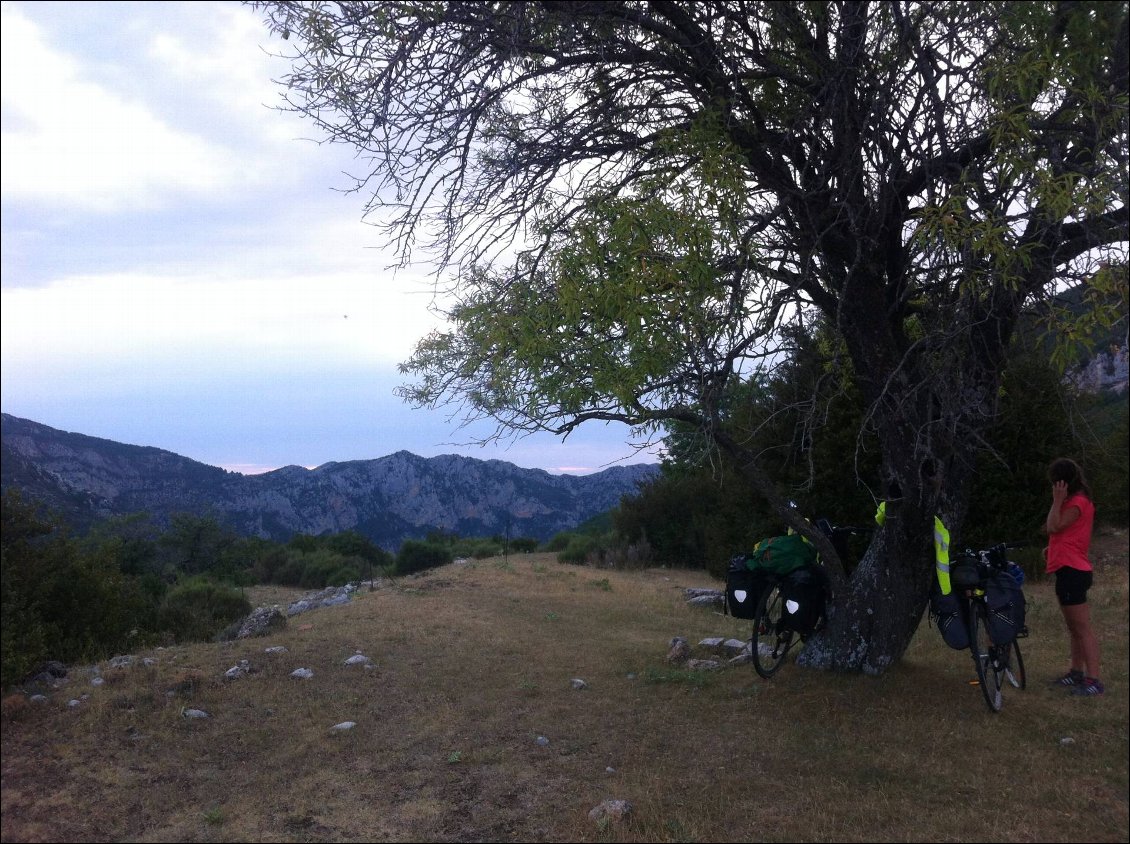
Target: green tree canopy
[(636, 199)]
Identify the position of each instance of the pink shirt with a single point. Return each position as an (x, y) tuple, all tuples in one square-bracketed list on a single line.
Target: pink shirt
[(1070, 546)]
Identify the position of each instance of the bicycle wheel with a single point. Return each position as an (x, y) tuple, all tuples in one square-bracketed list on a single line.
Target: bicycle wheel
[(770, 642), (1013, 664), (984, 656)]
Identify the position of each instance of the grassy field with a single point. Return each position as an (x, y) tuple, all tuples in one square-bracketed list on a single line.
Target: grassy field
[(473, 664)]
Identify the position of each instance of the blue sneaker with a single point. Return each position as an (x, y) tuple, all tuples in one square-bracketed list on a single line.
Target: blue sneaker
[(1090, 687), (1071, 678)]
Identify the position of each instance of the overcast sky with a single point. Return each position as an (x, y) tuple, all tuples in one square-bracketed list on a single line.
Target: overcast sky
[(180, 265)]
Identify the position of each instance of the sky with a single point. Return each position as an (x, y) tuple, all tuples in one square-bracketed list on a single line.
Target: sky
[(182, 264)]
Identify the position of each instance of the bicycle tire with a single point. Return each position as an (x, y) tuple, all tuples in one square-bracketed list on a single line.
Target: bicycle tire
[(769, 644), (1014, 667), (988, 675)]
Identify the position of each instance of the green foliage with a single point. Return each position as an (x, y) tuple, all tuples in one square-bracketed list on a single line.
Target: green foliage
[(199, 609), (59, 600), (581, 549), (417, 556), (559, 541)]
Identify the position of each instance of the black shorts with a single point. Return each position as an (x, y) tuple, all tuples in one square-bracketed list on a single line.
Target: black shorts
[(1071, 585)]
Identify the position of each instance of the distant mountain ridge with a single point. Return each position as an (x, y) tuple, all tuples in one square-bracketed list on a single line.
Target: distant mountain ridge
[(388, 499)]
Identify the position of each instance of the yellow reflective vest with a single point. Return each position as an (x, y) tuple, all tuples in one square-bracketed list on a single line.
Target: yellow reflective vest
[(941, 547)]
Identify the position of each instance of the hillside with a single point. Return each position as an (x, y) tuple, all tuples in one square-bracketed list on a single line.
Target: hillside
[(468, 727), (387, 499)]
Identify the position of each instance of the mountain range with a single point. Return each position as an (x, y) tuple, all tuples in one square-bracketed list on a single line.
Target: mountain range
[(387, 499)]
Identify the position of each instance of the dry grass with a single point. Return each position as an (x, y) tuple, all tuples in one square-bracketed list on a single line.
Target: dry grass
[(473, 664)]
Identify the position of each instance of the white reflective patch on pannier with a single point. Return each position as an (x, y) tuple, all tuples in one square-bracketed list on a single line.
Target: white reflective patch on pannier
[(740, 594), (792, 606)]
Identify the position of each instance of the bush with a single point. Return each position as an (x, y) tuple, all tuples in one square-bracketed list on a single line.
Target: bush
[(417, 556), (197, 610), (579, 549), (560, 541)]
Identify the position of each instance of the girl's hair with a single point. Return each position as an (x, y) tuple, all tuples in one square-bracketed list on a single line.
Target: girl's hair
[(1067, 470)]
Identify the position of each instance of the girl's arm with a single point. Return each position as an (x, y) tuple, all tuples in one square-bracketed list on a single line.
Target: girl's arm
[(1060, 518)]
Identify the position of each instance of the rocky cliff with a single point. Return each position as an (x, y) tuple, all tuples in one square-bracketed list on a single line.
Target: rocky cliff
[(387, 499)]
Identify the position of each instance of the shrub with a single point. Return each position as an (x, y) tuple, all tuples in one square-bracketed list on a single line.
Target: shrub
[(199, 609), (418, 556), (579, 549), (560, 541)]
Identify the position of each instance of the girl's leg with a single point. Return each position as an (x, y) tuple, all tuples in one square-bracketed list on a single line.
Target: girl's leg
[(1084, 643)]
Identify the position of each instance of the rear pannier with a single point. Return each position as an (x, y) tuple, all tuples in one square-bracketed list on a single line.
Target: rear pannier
[(1005, 600), (743, 587), (947, 614), (804, 592)]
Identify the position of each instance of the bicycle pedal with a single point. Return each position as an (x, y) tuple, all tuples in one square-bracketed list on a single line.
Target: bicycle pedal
[(975, 682)]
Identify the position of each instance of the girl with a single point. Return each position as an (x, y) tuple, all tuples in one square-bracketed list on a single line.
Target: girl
[(1068, 525)]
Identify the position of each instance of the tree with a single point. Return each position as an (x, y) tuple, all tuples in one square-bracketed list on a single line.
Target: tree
[(635, 199)]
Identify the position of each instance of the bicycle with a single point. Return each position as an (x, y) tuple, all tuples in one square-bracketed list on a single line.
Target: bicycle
[(970, 575), (787, 608)]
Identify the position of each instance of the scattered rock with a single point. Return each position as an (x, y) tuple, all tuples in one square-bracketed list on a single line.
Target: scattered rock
[(715, 600), (359, 659), (1066, 740), (712, 643), (276, 649), (679, 650), (703, 664), (124, 661), (194, 713), (611, 812), (38, 698), (541, 741), (579, 684), (302, 673), (237, 671), (343, 726)]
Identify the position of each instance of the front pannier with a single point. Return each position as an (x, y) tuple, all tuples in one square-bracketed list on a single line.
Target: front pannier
[(1006, 605), (946, 611)]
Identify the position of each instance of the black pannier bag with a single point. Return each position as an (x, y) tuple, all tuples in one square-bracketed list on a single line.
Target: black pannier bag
[(804, 592), (743, 588), (946, 612), (1005, 600)]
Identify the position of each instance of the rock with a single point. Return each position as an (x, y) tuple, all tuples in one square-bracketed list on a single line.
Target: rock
[(275, 649), (38, 698), (541, 741), (715, 600), (712, 643), (343, 726), (679, 651), (97, 681), (235, 672), (149, 662), (73, 703), (579, 684), (703, 664), (611, 812), (124, 661), (735, 646), (262, 621), (302, 673), (698, 592), (359, 659), (194, 713)]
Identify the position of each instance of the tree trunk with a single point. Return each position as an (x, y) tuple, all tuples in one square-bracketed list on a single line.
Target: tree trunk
[(872, 619)]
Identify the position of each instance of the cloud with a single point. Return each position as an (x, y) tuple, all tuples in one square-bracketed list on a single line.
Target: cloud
[(68, 140), (210, 325)]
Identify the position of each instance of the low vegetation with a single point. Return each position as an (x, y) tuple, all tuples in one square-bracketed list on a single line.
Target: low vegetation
[(473, 664)]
